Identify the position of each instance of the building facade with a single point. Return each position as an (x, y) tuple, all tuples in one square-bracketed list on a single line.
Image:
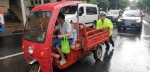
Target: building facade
[(20, 9)]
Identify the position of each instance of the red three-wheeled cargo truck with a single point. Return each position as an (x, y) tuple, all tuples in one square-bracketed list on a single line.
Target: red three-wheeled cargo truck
[(38, 37)]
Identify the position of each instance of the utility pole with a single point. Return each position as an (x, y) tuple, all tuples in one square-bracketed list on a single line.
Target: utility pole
[(23, 12), (42, 1)]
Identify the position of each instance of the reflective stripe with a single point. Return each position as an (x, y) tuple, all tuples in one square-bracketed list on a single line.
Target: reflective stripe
[(106, 23)]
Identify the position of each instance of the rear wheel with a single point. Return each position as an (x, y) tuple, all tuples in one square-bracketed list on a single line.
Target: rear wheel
[(33, 68), (98, 53)]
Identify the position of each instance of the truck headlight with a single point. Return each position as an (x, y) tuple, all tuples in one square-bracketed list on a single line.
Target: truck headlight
[(119, 20), (138, 21), (30, 50)]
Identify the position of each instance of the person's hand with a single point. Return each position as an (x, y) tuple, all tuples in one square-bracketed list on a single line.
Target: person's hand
[(60, 36)]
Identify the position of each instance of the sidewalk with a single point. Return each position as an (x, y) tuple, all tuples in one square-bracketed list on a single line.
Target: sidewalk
[(13, 26), (147, 17)]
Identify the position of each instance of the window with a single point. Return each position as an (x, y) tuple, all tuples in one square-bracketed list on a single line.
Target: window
[(113, 12), (46, 1), (131, 13), (81, 10), (32, 2), (91, 10), (36, 26), (38, 1), (69, 9)]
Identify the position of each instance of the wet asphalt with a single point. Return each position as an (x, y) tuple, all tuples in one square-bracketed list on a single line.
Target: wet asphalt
[(130, 54)]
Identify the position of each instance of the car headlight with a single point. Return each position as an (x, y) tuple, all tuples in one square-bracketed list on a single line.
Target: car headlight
[(30, 50), (119, 20), (138, 20)]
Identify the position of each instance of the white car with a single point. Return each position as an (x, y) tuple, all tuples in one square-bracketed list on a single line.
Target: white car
[(88, 13)]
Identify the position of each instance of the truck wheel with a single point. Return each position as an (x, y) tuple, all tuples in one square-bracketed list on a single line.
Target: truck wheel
[(33, 68), (98, 53)]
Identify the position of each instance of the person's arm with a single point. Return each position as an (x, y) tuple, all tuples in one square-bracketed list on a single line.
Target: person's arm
[(98, 24), (111, 25), (56, 28)]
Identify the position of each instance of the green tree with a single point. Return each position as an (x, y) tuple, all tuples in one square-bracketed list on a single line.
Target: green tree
[(147, 3), (112, 4), (140, 4), (93, 1), (101, 3), (119, 4)]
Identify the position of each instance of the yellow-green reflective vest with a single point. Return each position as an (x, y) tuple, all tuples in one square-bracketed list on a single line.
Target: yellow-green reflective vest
[(106, 23)]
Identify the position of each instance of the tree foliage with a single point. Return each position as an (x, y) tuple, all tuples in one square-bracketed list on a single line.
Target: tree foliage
[(147, 3), (101, 3), (143, 3), (140, 4), (119, 4), (112, 4)]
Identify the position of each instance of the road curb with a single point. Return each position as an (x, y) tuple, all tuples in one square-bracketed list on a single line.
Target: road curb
[(147, 20)]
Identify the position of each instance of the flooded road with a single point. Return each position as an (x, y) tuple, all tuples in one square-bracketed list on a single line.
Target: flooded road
[(130, 54)]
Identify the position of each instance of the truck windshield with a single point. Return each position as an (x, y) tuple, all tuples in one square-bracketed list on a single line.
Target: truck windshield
[(113, 12), (36, 26), (131, 14), (70, 9)]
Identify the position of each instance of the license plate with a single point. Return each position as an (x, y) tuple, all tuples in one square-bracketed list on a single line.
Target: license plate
[(127, 23)]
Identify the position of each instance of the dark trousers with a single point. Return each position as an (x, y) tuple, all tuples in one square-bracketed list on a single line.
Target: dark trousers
[(111, 41)]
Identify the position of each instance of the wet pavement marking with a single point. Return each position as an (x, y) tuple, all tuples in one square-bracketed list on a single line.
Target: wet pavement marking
[(13, 55)]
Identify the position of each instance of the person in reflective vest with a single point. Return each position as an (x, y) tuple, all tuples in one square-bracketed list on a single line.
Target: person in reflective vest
[(104, 22)]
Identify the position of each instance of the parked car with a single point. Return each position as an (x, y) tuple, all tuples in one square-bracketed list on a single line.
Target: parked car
[(113, 15), (130, 19), (88, 13)]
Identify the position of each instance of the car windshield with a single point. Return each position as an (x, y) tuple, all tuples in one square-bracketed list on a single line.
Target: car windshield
[(70, 9), (113, 12), (36, 26), (131, 14)]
